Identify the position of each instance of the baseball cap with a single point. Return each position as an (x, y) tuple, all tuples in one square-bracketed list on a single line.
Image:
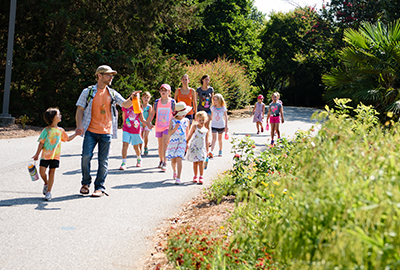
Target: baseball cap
[(105, 69), (166, 86)]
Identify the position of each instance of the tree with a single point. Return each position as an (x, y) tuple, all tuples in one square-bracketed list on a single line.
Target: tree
[(371, 67), (229, 28)]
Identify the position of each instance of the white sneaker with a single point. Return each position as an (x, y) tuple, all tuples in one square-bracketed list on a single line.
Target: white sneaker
[(123, 166), (47, 197), (164, 166), (45, 189), (178, 181)]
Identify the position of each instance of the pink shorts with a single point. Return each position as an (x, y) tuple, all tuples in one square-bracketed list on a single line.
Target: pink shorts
[(274, 119)]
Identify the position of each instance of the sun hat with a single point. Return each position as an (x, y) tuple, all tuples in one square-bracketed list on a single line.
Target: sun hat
[(260, 96), (166, 86), (105, 69), (181, 109)]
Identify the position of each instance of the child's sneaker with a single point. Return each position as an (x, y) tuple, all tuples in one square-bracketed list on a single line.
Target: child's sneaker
[(174, 176), (47, 197), (272, 142), (262, 129), (160, 165), (44, 189), (195, 179), (123, 166), (146, 151), (139, 162), (210, 155), (178, 181), (200, 180), (220, 153), (164, 166), (258, 132)]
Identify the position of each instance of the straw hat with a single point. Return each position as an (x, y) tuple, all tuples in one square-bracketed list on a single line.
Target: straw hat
[(181, 109)]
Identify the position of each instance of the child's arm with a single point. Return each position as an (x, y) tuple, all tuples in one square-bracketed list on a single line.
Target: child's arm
[(281, 111), (207, 142), (172, 130), (190, 134), (263, 111), (71, 137), (143, 121), (226, 121), (39, 149), (269, 113), (152, 112), (254, 108)]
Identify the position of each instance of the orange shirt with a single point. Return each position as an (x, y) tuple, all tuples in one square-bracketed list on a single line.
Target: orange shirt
[(188, 99), (101, 121)]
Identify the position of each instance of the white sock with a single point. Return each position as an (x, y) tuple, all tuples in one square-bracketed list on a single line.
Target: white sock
[(124, 160)]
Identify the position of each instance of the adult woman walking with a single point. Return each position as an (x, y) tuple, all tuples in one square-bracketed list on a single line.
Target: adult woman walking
[(205, 94), (187, 95)]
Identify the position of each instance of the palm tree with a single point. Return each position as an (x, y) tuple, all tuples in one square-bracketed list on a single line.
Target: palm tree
[(370, 70)]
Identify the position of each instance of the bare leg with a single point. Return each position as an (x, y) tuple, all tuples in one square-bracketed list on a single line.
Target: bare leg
[(42, 172), (178, 161), (173, 164), (137, 150), (214, 140), (145, 136), (220, 141), (195, 168), (124, 149), (160, 149), (201, 167), (50, 181), (165, 140), (277, 130), (272, 131)]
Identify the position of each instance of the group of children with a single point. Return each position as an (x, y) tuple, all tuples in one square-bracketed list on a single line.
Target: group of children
[(179, 134), (274, 116)]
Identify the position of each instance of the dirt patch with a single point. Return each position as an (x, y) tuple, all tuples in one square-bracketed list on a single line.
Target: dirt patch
[(199, 213)]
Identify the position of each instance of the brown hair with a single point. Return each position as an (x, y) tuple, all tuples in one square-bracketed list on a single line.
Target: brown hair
[(202, 78), (49, 115)]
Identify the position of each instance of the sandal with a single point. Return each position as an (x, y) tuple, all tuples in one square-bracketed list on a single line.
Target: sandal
[(99, 193), (84, 189)]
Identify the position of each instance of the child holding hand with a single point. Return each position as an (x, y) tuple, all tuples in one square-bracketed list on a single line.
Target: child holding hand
[(50, 145), (178, 130), (198, 146)]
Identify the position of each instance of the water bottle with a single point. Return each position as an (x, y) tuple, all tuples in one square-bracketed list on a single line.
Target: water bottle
[(226, 136), (136, 104), (206, 163), (33, 172), (267, 127)]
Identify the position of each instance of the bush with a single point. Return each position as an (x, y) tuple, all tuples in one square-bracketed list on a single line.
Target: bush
[(227, 77)]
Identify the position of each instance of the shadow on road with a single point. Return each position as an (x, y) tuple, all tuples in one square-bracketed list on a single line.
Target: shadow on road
[(41, 203), (153, 185)]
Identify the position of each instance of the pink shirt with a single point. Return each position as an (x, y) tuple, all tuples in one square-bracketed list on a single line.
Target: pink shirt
[(164, 115), (132, 121)]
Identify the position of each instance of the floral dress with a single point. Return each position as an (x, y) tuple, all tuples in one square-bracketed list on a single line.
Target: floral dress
[(258, 113), (197, 148), (177, 143)]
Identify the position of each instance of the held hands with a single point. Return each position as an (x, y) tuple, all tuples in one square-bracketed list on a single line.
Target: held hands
[(79, 130)]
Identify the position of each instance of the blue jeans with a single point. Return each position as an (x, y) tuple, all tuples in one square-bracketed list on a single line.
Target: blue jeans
[(89, 143)]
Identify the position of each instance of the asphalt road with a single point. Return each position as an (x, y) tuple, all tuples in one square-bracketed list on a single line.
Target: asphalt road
[(76, 232)]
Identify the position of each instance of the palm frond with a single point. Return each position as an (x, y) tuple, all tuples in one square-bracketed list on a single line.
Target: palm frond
[(355, 38), (369, 95), (393, 107)]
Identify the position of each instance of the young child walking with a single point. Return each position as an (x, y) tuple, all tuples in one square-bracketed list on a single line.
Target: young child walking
[(259, 111), (50, 145), (198, 146), (147, 109), (275, 116), (178, 130), (219, 122), (131, 134), (163, 109)]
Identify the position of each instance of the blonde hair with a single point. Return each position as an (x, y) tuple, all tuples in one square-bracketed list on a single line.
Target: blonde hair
[(220, 99), (147, 93), (201, 115), (277, 95)]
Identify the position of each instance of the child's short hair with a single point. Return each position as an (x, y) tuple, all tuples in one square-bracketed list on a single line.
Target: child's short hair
[(147, 93), (49, 115), (201, 115), (277, 95), (220, 99)]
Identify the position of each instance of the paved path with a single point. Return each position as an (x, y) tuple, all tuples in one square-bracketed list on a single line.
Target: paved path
[(76, 232)]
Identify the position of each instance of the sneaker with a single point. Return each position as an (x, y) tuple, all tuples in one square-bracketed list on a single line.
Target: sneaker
[(220, 153), (164, 166), (174, 176), (47, 197), (44, 189), (160, 165), (139, 162), (258, 132), (195, 179), (262, 129), (146, 151), (200, 180), (272, 142), (178, 181), (210, 155), (123, 166)]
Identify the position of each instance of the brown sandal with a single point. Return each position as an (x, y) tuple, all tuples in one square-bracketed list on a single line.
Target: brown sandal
[(84, 190)]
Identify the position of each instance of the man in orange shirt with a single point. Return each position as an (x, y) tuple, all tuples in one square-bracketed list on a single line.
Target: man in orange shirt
[(97, 119)]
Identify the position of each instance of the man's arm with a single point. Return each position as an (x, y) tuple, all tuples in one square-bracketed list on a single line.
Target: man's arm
[(78, 118)]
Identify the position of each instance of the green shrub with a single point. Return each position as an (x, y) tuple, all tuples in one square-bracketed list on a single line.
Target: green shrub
[(227, 77)]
